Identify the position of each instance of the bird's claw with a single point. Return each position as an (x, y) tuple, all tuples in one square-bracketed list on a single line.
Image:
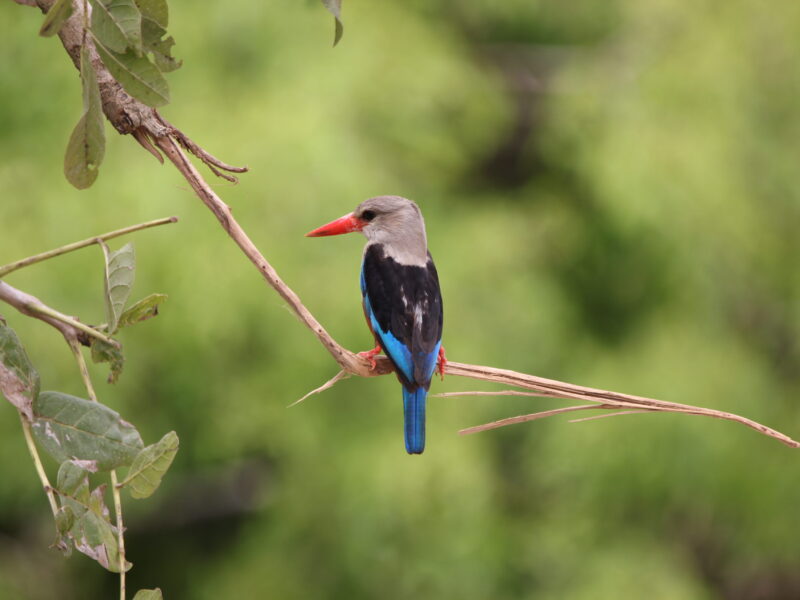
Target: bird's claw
[(441, 361), (370, 356)]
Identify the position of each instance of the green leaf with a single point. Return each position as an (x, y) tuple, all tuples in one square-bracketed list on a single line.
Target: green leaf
[(154, 28), (137, 74), (335, 8), (73, 481), (149, 595), (87, 144), (105, 352), (19, 381), (117, 24), (154, 11), (65, 520), (120, 272), (55, 18), (144, 309), (69, 428), (80, 161), (150, 465), (162, 54), (94, 535), (97, 503), (83, 518)]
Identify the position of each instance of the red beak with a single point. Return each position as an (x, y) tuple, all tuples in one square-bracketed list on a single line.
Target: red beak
[(344, 224)]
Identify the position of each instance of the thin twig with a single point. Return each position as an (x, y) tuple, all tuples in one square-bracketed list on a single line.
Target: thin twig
[(605, 397), (325, 386), (6, 269), (120, 532), (613, 414), (141, 136), (496, 393), (45, 310), (211, 161), (48, 489), (526, 418), (22, 301), (83, 368)]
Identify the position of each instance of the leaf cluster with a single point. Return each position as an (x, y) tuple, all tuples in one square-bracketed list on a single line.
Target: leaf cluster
[(86, 437), (119, 276), (131, 40)]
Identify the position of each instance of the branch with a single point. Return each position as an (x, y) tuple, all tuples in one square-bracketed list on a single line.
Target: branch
[(37, 462), (28, 305), (30, 260), (350, 362), (604, 399), (128, 115), (33, 307)]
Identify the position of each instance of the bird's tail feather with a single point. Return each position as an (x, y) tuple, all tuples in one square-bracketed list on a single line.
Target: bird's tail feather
[(414, 413)]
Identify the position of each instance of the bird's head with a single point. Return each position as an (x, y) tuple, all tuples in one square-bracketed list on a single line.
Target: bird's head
[(393, 221)]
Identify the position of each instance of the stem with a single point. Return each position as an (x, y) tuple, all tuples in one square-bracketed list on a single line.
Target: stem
[(6, 269), (75, 346), (87, 381), (48, 489), (120, 532), (50, 312)]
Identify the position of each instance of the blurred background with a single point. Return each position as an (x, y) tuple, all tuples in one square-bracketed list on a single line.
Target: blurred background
[(611, 193)]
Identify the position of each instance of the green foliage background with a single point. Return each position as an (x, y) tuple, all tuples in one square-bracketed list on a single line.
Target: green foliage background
[(611, 197)]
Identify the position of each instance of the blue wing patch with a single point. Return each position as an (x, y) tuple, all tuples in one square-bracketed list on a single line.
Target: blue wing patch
[(429, 361), (400, 355)]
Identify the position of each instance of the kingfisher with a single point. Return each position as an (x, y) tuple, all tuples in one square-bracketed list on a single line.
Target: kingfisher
[(401, 299)]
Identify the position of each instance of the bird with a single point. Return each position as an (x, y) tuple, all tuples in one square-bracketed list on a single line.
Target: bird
[(401, 298)]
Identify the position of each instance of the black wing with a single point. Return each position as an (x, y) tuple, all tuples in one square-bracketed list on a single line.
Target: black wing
[(404, 306)]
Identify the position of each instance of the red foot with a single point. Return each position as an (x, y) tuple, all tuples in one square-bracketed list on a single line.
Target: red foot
[(370, 356), (441, 362)]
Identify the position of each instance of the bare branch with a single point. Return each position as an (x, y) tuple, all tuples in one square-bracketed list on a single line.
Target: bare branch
[(526, 418), (140, 135), (213, 163), (496, 393), (604, 399), (613, 414), (325, 386), (25, 2)]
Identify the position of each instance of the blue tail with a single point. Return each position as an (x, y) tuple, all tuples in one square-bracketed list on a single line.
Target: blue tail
[(414, 413)]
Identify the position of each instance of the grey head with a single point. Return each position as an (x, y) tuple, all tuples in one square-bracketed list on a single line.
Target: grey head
[(397, 224)]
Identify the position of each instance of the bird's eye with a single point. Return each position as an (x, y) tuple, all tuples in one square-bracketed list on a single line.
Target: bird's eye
[(368, 215)]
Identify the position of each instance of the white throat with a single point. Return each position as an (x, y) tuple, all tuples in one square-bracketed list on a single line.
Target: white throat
[(400, 254)]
